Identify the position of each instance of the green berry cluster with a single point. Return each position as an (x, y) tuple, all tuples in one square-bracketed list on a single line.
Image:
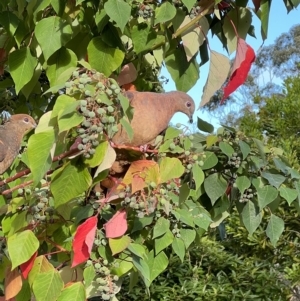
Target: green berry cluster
[(176, 231), (99, 105), (145, 11), (195, 11), (234, 160), (107, 282), (39, 203), (247, 195)]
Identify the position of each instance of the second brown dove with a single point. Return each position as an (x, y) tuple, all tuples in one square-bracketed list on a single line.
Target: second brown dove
[(11, 135), (152, 114)]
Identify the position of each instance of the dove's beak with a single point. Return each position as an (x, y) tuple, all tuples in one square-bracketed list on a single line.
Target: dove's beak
[(191, 119)]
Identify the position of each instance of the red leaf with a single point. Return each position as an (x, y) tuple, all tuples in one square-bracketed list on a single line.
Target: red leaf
[(83, 240), (27, 266), (117, 225), (256, 4), (244, 58)]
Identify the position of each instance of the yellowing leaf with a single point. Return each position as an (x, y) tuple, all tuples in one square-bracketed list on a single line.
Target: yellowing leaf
[(195, 37), (218, 72)]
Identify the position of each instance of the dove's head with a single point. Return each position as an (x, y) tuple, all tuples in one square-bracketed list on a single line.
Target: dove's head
[(23, 122), (185, 104)]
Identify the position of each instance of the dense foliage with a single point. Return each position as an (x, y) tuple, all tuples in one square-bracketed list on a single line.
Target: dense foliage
[(72, 227)]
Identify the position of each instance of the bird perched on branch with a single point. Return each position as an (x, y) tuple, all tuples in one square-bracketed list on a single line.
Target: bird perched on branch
[(11, 135), (152, 114)]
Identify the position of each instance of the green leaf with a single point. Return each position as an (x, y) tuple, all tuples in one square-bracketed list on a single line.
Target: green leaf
[(188, 236), (69, 121), (172, 133), (103, 58), (137, 250), (119, 11), (281, 165), (60, 66), (141, 223), (189, 4), (157, 264), (164, 13), (170, 168), (185, 74), (245, 149), (211, 140), (52, 33), (215, 186), (184, 192), (209, 161), (117, 245), (288, 194), (204, 126), (39, 153), (97, 158), (198, 175), (21, 246), (161, 227), (145, 38), (143, 267), (264, 18), (185, 216), (274, 229), (47, 286), (75, 291), (266, 195), (164, 241), (260, 147), (242, 183), (179, 248), (68, 182), (64, 103), (21, 64), (127, 126), (89, 274), (9, 21), (274, 179), (250, 217), (226, 148)]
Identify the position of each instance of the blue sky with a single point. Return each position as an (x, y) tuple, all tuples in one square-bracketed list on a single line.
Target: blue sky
[(279, 22)]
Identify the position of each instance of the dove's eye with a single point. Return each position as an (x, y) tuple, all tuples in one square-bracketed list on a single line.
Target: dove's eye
[(26, 119), (188, 104)]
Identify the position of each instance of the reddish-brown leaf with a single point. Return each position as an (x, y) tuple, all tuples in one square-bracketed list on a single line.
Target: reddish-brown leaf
[(256, 4), (117, 225), (137, 184), (13, 283), (27, 266), (244, 58), (137, 168), (83, 240)]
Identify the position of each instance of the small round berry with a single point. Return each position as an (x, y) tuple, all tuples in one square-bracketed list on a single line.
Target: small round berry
[(172, 146), (20, 191), (187, 153), (111, 119), (92, 114), (87, 92), (110, 109)]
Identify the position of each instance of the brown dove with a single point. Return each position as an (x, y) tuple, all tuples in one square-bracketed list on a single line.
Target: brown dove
[(11, 135), (152, 114)]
